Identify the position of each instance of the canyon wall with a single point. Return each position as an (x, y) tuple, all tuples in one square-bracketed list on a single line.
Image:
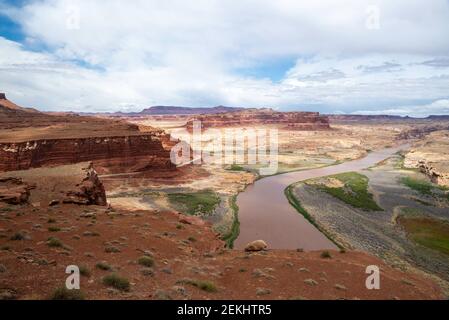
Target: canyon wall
[(430, 155), (109, 154), (254, 117)]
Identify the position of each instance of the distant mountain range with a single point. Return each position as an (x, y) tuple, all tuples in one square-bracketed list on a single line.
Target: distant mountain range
[(7, 108), (380, 117), (185, 111), (171, 110)]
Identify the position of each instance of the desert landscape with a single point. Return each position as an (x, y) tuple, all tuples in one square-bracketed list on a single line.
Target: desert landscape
[(100, 192), (218, 159)]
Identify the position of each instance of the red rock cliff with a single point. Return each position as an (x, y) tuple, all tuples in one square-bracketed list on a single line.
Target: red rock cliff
[(252, 117), (109, 154)]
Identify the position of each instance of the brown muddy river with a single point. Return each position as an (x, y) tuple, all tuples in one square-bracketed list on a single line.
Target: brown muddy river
[(266, 214)]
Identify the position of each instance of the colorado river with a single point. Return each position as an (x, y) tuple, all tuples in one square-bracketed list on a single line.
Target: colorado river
[(265, 213)]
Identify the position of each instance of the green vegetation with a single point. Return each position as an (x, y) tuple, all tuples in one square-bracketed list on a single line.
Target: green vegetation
[(54, 229), (297, 205), (63, 293), (355, 191), (117, 282), (234, 231), (236, 167), (426, 231), (421, 186), (425, 187), (51, 220), (84, 271), (54, 243), (325, 255), (111, 249), (18, 236), (201, 202), (103, 266), (146, 261), (207, 286)]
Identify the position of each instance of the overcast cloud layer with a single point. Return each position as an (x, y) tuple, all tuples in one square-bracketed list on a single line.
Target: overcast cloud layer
[(351, 56)]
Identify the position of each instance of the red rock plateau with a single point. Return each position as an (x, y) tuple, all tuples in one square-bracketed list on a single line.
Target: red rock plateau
[(254, 117), (30, 139)]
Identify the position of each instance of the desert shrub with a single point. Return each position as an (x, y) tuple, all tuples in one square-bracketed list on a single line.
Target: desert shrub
[(54, 243), (103, 266), (84, 271), (63, 293), (111, 249), (204, 285), (117, 282), (146, 261), (18, 236)]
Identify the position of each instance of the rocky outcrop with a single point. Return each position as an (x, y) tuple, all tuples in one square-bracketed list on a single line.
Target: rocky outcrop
[(31, 139), (421, 131), (438, 172), (109, 154), (14, 191), (431, 156), (254, 117), (89, 192)]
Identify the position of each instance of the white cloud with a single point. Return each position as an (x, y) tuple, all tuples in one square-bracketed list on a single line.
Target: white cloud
[(128, 55), (438, 107)]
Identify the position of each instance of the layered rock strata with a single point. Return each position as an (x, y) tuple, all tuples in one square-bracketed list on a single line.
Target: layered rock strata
[(89, 192), (14, 191), (111, 154), (252, 117)]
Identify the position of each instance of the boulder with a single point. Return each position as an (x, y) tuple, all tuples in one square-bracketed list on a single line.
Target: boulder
[(257, 245), (14, 191)]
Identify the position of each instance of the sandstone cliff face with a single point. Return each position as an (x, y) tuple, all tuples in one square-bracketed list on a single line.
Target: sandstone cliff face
[(438, 172), (109, 154), (31, 139), (290, 120), (431, 156)]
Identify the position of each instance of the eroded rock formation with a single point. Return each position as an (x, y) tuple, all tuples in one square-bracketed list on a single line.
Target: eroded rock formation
[(14, 191), (31, 139), (110, 154), (254, 117), (431, 157), (89, 192)]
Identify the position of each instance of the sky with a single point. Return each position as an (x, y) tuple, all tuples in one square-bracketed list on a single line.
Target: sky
[(346, 56)]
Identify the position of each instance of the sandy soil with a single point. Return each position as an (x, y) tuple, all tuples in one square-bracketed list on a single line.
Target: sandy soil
[(32, 270)]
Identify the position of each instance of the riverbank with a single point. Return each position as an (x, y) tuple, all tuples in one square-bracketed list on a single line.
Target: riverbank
[(378, 231), (265, 212)]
